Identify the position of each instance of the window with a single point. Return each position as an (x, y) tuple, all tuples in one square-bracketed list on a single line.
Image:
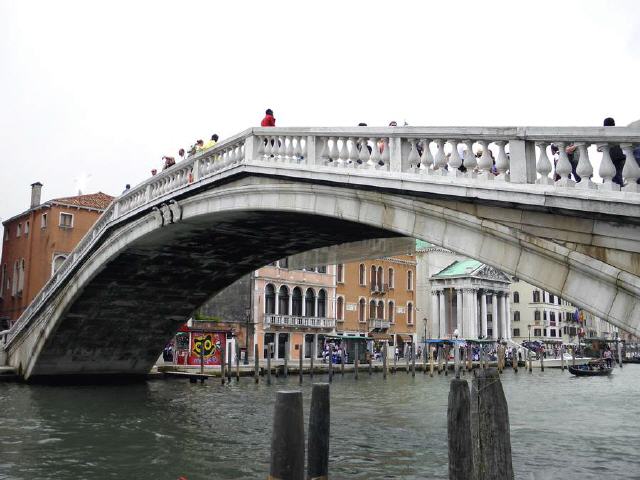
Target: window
[(552, 316), (537, 332), (296, 302), (340, 273), (373, 278), (489, 298), (410, 280), (380, 312), (489, 317), (19, 230), (322, 304), (362, 305), (390, 279), (410, 313), (21, 277), (362, 275), (6, 234), (516, 316), (372, 309), (516, 332), (536, 315), (392, 307), (283, 300), (310, 303), (66, 220), (14, 280), (559, 300), (516, 297), (552, 299), (43, 221), (269, 299), (3, 275), (536, 296), (380, 278), (340, 309), (322, 269), (26, 228), (552, 332), (544, 315)]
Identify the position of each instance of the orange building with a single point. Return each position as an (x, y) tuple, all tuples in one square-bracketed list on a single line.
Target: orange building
[(376, 299), (37, 241)]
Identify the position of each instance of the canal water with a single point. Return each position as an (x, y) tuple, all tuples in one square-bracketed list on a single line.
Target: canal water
[(561, 428)]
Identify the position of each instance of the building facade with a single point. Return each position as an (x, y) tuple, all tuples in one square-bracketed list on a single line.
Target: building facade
[(37, 241), (376, 300)]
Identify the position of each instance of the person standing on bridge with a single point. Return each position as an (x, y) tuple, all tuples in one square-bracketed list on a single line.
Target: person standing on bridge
[(268, 120)]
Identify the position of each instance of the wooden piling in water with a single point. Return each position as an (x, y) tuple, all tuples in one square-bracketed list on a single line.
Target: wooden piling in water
[(370, 363), (530, 360), (406, 361), (431, 362), (237, 362), (229, 365), (286, 359), (287, 438), (413, 362), (395, 361), (514, 360), (342, 357), (456, 360), (385, 353), (313, 354), (439, 360), (562, 366), (490, 428), (355, 361), (301, 359), (542, 361), (459, 431), (424, 360), (318, 436), (269, 351), (330, 363), (223, 361), (256, 364), (619, 345), (446, 361)]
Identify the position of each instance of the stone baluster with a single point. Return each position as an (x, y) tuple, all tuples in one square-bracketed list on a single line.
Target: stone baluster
[(564, 168), (343, 155), (298, 151), (281, 143), (353, 152), (414, 158), (386, 155), (543, 165), (502, 162), (470, 162), (486, 161), (363, 155), (269, 150), (261, 142), (455, 162), (584, 169), (426, 160), (607, 169), (631, 170), (324, 153), (289, 150), (333, 151), (440, 160), (376, 158)]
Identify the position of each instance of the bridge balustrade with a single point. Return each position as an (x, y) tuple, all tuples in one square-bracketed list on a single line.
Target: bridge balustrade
[(489, 155)]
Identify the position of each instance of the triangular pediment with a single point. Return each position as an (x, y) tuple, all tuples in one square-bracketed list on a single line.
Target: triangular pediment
[(491, 273)]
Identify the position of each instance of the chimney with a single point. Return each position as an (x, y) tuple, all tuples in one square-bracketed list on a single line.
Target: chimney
[(36, 191)]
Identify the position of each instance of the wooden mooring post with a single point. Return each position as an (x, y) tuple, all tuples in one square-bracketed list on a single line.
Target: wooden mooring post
[(385, 353), (330, 363), (562, 365), (424, 360), (229, 365), (285, 369), (269, 352), (446, 361), (301, 359), (395, 361), (342, 358), (413, 361), (223, 361), (542, 361), (459, 431), (491, 439), (318, 439), (313, 354), (237, 362), (287, 438), (431, 362), (256, 364), (355, 360), (370, 363)]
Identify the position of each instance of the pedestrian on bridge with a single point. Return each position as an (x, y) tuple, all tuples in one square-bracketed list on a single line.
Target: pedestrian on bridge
[(268, 120)]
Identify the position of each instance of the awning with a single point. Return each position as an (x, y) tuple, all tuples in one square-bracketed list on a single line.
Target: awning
[(404, 338), (384, 337)]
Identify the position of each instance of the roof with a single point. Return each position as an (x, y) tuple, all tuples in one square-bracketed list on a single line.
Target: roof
[(97, 200), (459, 268)]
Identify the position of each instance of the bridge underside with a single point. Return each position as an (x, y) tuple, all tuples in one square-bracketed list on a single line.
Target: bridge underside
[(123, 318)]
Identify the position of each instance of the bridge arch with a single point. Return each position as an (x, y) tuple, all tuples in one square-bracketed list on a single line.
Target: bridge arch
[(261, 211)]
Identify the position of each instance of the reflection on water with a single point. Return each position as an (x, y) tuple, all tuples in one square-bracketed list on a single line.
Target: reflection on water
[(561, 427)]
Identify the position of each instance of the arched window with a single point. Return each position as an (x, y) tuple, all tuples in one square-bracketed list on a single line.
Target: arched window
[(516, 297), (21, 276), (310, 303), (322, 303), (552, 316), (380, 278), (362, 305), (380, 310), (372, 309), (410, 280), (374, 284), (552, 298), (283, 300), (391, 310), (536, 315), (269, 299), (536, 296), (362, 275), (14, 280), (58, 260), (516, 316), (340, 273), (410, 313), (340, 308), (390, 278), (296, 302), (544, 314)]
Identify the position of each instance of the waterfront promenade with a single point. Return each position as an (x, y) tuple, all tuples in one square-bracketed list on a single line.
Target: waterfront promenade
[(561, 427)]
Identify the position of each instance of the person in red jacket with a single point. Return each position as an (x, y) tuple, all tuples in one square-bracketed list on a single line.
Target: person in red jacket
[(268, 120)]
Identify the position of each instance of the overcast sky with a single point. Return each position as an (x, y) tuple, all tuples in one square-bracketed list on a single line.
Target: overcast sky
[(92, 94)]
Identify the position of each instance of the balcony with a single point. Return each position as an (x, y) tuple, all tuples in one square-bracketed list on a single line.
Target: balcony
[(295, 321), (378, 324), (379, 288)]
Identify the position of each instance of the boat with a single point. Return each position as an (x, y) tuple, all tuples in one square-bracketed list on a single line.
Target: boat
[(594, 368)]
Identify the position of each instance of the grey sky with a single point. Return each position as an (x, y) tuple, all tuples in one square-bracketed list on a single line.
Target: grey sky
[(101, 90)]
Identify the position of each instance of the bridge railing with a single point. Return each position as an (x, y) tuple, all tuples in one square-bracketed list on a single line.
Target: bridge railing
[(516, 155)]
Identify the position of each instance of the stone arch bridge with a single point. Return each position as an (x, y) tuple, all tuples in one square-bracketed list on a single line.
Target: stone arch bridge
[(167, 245)]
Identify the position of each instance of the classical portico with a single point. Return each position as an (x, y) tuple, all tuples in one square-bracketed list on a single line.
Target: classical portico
[(472, 298)]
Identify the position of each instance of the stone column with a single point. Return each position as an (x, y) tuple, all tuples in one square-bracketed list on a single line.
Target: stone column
[(275, 345), (443, 316), (276, 310), (473, 333), (503, 315), (460, 317), (483, 314), (496, 320), (468, 312), (435, 314), (508, 307)]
